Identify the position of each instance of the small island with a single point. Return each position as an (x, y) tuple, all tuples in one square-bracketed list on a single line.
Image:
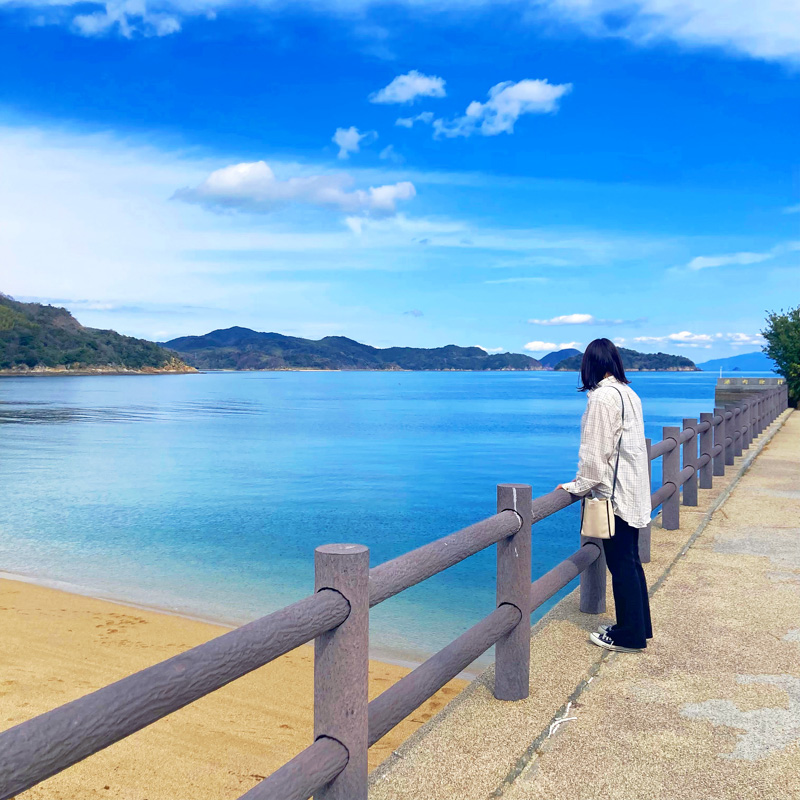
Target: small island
[(634, 361)]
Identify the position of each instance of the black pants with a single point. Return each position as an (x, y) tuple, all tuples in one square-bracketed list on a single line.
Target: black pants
[(633, 627)]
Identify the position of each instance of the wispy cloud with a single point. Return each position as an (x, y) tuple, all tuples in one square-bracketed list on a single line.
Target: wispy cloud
[(705, 340), (792, 209), (254, 187), (491, 349), (768, 29), (743, 258), (531, 279), (507, 102), (584, 319), (408, 122), (705, 262), (409, 87)]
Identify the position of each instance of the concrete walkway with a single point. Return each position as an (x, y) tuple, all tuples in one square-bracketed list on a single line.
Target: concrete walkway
[(711, 711)]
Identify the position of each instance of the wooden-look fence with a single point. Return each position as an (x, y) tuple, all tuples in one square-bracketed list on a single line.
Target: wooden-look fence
[(336, 617)]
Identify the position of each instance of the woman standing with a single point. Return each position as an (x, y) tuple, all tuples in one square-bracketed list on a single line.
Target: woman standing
[(613, 423)]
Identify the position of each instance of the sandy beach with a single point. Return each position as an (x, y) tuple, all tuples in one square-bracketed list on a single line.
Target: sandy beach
[(58, 646)]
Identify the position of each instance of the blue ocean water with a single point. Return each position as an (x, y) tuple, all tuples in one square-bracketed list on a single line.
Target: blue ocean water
[(206, 494)]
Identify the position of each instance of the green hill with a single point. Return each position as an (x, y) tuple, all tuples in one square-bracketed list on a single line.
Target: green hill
[(40, 338), (634, 361), (243, 349)]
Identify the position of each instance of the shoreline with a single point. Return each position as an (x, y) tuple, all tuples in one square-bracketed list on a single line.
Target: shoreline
[(392, 658), (59, 646)]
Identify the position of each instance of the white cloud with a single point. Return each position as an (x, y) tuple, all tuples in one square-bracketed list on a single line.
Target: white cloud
[(507, 102), (407, 88), (705, 340), (704, 262), (767, 29), (541, 347), (127, 17), (792, 209), (491, 349), (742, 259), (349, 140), (583, 319), (746, 339), (254, 187), (408, 122), (566, 319)]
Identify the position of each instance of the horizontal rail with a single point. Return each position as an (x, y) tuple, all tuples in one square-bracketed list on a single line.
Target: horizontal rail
[(70, 733), (411, 691), (685, 474), (702, 427), (305, 774), (661, 494), (542, 589), (687, 435), (551, 502), (392, 577), (662, 448), (703, 460)]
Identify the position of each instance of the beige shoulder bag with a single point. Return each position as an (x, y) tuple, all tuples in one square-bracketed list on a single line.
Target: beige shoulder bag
[(597, 515)]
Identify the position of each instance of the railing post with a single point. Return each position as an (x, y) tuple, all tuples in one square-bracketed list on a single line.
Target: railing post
[(341, 664), (753, 418), (736, 419), (690, 460), (728, 442), (645, 534), (719, 439), (671, 466), (745, 425), (513, 652), (706, 445)]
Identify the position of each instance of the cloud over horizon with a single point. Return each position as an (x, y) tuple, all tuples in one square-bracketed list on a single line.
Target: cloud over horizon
[(584, 319)]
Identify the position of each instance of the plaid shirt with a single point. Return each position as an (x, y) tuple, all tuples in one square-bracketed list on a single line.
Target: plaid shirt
[(600, 433)]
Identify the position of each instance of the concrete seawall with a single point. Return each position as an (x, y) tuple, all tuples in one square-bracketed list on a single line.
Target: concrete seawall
[(711, 709)]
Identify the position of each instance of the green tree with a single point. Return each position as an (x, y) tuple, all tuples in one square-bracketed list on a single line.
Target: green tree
[(783, 347)]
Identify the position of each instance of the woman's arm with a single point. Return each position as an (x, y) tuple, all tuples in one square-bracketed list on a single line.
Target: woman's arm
[(599, 437)]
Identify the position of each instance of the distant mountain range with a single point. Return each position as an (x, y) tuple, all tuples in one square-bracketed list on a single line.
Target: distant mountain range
[(744, 362), (242, 348), (557, 356), (634, 361), (38, 338)]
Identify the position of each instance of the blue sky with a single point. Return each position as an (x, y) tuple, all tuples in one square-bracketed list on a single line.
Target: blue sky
[(562, 169)]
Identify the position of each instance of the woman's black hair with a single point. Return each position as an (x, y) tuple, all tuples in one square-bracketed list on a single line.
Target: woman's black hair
[(600, 359)]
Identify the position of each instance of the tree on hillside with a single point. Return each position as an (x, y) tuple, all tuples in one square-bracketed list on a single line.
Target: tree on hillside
[(783, 347)]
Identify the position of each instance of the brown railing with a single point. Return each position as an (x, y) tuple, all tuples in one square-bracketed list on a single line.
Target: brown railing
[(336, 617)]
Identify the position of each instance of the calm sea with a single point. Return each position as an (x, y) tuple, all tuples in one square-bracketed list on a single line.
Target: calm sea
[(206, 494)]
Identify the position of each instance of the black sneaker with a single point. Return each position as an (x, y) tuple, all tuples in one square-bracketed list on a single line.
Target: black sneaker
[(605, 641)]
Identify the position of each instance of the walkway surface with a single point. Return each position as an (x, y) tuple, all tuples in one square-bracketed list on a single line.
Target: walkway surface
[(710, 711)]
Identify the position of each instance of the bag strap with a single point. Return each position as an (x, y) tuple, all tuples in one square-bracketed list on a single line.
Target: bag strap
[(619, 443)]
